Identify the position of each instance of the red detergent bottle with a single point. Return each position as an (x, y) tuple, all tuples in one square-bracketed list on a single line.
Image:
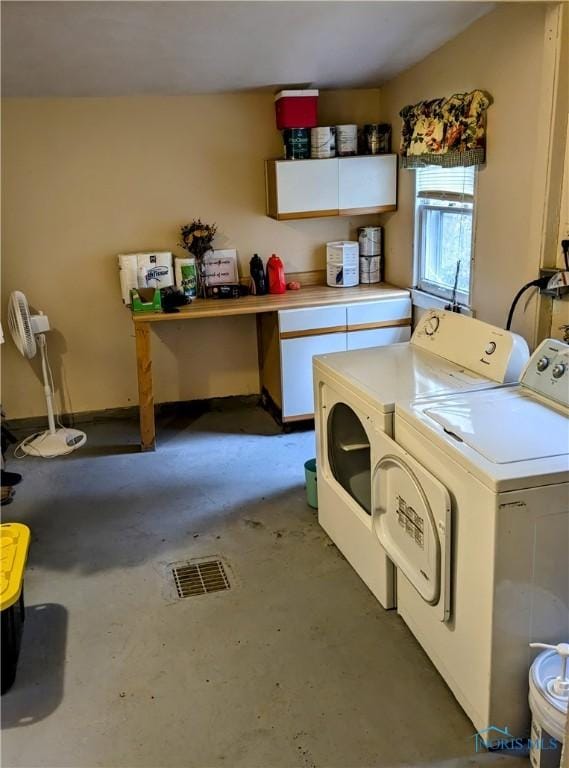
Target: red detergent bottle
[(276, 275)]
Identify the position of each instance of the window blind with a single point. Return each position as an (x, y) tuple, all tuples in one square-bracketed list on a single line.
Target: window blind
[(445, 183)]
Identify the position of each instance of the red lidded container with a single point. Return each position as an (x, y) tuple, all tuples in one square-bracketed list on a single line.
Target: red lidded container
[(296, 109), (276, 275)]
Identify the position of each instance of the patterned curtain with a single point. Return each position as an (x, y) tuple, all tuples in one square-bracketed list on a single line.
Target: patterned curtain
[(446, 132)]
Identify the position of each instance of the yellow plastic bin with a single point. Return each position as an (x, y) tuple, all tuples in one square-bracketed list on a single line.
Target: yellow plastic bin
[(311, 487), (14, 545)]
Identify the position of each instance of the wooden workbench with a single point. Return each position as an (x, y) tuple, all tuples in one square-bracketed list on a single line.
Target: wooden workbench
[(307, 296)]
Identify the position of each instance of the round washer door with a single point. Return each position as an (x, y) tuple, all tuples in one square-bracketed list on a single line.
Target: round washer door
[(349, 454), (412, 520)]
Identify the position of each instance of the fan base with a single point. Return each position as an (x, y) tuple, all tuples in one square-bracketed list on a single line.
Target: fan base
[(47, 445)]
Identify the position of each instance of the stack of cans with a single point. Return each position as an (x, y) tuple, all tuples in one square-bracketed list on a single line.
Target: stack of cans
[(371, 254)]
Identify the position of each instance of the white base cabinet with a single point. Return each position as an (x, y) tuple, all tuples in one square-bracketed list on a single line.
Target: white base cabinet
[(292, 338)]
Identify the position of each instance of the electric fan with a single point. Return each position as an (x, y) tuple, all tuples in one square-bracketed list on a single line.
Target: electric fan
[(28, 332)]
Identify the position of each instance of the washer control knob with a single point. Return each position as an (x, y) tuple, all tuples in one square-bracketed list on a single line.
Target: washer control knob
[(542, 363), (432, 325), (558, 370), (491, 348)]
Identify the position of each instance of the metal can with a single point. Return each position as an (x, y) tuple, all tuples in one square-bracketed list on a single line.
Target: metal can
[(370, 241), (296, 143), (377, 139)]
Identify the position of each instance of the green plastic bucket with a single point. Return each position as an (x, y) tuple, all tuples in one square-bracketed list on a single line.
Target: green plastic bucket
[(311, 488)]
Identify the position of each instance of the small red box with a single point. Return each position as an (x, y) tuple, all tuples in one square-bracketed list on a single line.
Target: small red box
[(296, 109)]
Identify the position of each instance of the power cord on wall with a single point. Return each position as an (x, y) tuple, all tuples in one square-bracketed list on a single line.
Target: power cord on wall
[(541, 282), (555, 283)]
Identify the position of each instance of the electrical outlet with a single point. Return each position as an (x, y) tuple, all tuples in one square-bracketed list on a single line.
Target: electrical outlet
[(558, 284)]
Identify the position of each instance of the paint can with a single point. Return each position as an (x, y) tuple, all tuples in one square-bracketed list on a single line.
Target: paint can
[(376, 139), (296, 143), (323, 142), (370, 241), (342, 264), (371, 269), (346, 140)]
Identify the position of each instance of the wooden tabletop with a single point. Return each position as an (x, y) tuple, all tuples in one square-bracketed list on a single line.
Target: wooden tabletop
[(308, 296)]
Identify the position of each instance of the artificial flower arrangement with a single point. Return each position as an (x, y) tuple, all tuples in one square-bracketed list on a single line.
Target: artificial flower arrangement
[(197, 238)]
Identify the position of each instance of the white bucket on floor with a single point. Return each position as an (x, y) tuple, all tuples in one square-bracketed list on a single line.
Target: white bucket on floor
[(548, 697)]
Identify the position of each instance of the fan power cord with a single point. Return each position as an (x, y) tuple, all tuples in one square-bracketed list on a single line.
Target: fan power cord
[(541, 282)]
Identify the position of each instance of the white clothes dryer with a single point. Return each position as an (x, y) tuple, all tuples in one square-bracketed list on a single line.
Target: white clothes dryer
[(355, 396)]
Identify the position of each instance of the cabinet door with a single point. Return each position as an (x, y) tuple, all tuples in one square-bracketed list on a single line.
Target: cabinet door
[(378, 337), (367, 183), (306, 187), (296, 365)]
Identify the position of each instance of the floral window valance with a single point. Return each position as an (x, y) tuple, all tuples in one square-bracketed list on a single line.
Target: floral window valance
[(446, 132)]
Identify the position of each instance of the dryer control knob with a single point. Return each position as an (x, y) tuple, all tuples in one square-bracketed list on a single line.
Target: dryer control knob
[(542, 363), (558, 370), (491, 348), (431, 326)]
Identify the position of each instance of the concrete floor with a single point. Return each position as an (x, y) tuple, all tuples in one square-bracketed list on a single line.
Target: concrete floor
[(296, 665)]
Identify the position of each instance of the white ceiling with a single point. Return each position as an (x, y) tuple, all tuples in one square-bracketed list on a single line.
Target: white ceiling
[(115, 48)]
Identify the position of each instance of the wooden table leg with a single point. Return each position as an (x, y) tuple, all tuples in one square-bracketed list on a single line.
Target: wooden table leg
[(145, 393)]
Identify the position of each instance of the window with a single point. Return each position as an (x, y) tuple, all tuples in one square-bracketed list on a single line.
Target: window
[(444, 206)]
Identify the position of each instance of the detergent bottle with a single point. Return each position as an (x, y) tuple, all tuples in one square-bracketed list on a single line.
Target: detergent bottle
[(276, 275)]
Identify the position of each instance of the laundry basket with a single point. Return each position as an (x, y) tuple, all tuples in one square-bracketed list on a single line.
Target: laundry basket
[(311, 488)]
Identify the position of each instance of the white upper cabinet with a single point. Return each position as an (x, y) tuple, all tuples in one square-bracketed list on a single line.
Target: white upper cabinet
[(307, 186), (302, 189), (367, 183)]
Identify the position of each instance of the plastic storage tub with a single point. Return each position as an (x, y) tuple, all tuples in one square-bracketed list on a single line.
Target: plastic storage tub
[(296, 109), (14, 544)]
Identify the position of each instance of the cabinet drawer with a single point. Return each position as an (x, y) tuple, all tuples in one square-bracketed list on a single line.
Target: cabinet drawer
[(296, 364), (379, 337), (376, 313), (314, 319)]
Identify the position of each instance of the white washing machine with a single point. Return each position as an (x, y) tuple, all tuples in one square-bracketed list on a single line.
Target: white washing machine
[(355, 395), (471, 502)]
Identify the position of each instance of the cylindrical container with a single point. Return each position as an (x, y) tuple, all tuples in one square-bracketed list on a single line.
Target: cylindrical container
[(548, 709), (186, 276), (311, 486), (371, 269), (346, 140), (295, 109), (258, 278), (384, 138), (342, 267), (370, 240), (276, 275), (371, 139), (296, 143), (323, 142)]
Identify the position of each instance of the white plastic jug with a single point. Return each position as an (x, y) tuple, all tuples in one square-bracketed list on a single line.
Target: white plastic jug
[(548, 698)]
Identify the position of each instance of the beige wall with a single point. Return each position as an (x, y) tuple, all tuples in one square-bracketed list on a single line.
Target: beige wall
[(86, 179), (502, 54)]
